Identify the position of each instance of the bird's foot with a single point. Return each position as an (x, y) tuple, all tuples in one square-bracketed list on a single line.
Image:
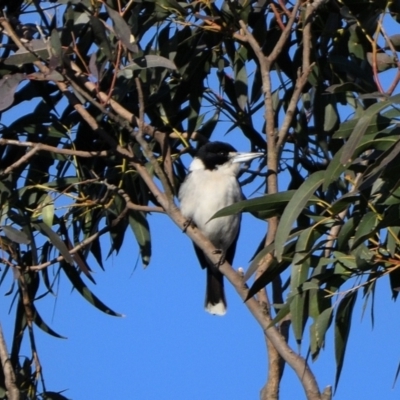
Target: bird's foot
[(187, 223), (221, 259)]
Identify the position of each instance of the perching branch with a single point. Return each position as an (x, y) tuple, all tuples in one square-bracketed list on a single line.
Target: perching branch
[(297, 362)]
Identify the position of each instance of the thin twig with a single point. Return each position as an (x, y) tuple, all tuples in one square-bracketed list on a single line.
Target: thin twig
[(145, 147), (36, 147), (128, 202)]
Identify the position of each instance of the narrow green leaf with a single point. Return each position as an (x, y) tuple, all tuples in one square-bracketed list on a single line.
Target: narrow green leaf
[(95, 249), (141, 230), (240, 81), (259, 204), (8, 86), (53, 396), (342, 203), (347, 260), (80, 286), (346, 233), (392, 240), (15, 235), (43, 326), (382, 161), (394, 279), (122, 30), (48, 211), (331, 115), (56, 47), (342, 329), (334, 170), (100, 36), (62, 183), (272, 271), (28, 53), (365, 229), (355, 139), (258, 260), (282, 313), (294, 208), (298, 276), (55, 240), (275, 269), (318, 330), (397, 375)]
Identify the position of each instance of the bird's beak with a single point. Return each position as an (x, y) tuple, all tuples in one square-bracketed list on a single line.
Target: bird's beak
[(244, 157)]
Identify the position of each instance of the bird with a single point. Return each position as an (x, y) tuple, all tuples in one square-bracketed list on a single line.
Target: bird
[(210, 185)]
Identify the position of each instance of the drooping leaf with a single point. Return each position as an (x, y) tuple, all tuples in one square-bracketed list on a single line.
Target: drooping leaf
[(334, 170), (342, 329), (148, 61), (365, 229), (122, 30), (240, 80), (43, 326), (55, 240), (48, 211), (263, 207), (282, 313), (15, 235), (299, 274), (318, 330), (141, 230), (273, 270), (35, 49), (80, 286), (8, 86), (100, 36), (294, 208), (53, 396)]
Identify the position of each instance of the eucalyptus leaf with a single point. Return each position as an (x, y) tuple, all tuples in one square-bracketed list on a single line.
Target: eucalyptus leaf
[(8, 86), (55, 240), (294, 208), (15, 235), (122, 30), (342, 330)]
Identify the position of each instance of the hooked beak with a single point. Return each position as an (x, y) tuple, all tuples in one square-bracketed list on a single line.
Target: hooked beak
[(244, 157)]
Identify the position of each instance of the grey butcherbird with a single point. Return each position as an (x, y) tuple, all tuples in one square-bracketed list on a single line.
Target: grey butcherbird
[(210, 186)]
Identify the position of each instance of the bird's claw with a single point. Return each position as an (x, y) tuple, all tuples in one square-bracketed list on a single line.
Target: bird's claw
[(187, 223), (221, 259)]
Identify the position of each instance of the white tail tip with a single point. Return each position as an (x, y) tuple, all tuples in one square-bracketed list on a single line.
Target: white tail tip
[(216, 309)]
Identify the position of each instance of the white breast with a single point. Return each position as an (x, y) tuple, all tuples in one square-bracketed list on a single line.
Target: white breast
[(205, 192)]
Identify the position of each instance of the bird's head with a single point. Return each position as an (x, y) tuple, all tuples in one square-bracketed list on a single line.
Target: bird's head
[(215, 155)]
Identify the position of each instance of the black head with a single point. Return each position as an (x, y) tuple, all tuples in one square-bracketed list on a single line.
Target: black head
[(215, 153)]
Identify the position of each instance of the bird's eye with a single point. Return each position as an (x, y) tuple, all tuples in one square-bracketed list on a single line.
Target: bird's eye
[(221, 153)]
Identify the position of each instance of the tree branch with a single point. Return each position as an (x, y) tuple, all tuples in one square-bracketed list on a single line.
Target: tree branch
[(36, 147), (279, 348), (9, 376), (297, 362)]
